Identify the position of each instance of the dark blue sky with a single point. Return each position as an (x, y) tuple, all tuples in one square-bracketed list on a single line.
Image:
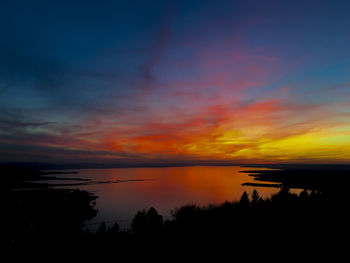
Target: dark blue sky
[(152, 80)]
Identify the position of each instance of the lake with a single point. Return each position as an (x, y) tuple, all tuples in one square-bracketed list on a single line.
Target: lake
[(124, 191)]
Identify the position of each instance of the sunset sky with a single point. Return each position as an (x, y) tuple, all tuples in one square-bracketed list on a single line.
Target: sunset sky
[(175, 81)]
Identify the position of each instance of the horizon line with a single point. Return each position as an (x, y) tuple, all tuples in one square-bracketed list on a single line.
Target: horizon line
[(85, 165)]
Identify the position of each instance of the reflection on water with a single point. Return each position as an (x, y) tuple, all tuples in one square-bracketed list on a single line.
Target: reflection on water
[(163, 189)]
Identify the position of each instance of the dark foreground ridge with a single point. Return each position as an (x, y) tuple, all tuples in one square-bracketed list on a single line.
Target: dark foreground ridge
[(54, 218)]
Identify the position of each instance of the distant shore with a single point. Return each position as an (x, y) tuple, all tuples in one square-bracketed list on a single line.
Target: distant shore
[(73, 166)]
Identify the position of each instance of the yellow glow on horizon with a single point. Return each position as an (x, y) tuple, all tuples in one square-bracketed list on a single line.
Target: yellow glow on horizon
[(322, 144)]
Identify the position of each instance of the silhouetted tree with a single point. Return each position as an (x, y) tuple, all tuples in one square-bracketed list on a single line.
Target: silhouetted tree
[(154, 220), (244, 201), (146, 222), (282, 196), (303, 195), (102, 229), (114, 229), (139, 223), (255, 197)]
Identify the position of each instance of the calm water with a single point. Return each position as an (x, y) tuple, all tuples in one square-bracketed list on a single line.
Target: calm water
[(163, 189)]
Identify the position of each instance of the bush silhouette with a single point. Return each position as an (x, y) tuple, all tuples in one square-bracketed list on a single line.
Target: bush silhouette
[(147, 222)]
